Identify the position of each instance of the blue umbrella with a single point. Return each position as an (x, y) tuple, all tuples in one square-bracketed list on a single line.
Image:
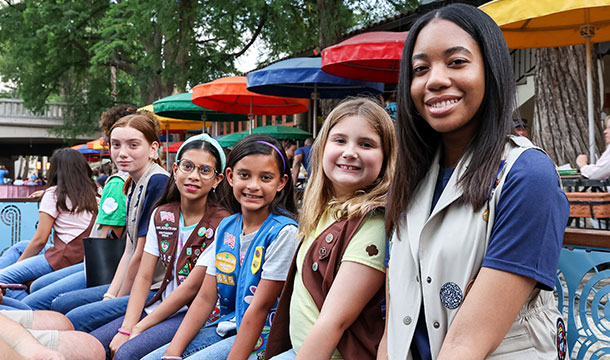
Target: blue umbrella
[(303, 78)]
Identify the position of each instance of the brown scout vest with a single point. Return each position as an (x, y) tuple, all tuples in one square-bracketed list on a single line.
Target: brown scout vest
[(361, 339), (62, 255), (167, 224)]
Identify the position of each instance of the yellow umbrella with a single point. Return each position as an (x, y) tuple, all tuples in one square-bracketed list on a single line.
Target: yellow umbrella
[(553, 23)]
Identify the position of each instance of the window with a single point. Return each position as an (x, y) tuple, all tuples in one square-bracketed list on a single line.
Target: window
[(259, 121)]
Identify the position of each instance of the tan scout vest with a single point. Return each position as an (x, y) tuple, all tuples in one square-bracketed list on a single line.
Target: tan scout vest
[(361, 339), (435, 256)]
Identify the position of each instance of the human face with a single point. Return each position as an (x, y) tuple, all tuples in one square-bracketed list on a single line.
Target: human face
[(448, 82), (290, 151), (353, 155), (192, 186), (607, 132), (130, 151), (256, 180)]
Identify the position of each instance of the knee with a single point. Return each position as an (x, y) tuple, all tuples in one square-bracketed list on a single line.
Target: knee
[(44, 320), (80, 345), (60, 304)]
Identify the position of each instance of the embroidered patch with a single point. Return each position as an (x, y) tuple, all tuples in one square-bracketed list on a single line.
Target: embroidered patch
[(225, 262), (164, 245), (209, 233), (189, 251), (201, 231), (167, 216), (248, 298), (109, 206), (197, 252), (230, 240), (486, 214), (186, 269), (225, 279), (562, 345), (259, 343), (451, 295), (257, 260), (372, 250)]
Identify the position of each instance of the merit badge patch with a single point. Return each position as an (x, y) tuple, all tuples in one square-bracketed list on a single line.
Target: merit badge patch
[(562, 342), (164, 245), (209, 233), (372, 250), (451, 295), (257, 260), (189, 251), (201, 231), (225, 262), (229, 240), (167, 216)]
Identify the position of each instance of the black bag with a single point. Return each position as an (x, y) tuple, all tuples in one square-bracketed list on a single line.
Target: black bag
[(102, 256)]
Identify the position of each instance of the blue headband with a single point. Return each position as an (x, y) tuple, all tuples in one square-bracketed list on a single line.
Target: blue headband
[(276, 149), (207, 138)]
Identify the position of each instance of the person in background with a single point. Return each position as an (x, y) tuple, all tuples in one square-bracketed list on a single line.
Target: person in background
[(601, 168), (290, 147), (3, 173), (521, 128), (301, 156), (101, 179)]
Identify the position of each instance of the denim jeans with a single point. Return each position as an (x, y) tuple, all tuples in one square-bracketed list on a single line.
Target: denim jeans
[(288, 355), (12, 254), (92, 316), (48, 287), (12, 304), (206, 337), (23, 271), (142, 344), (69, 301)]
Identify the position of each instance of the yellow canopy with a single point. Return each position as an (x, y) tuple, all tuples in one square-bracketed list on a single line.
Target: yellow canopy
[(549, 23), (177, 124)]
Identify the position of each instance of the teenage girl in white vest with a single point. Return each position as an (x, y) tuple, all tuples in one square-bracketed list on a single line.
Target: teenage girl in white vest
[(252, 253), (198, 171), (134, 143), (478, 215), (354, 158)]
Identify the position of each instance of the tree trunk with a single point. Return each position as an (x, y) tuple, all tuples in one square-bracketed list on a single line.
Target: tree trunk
[(560, 124)]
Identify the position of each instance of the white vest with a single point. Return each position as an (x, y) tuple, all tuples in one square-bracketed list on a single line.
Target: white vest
[(435, 256)]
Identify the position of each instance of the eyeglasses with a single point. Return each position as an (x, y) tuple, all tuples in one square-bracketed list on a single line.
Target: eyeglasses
[(205, 171)]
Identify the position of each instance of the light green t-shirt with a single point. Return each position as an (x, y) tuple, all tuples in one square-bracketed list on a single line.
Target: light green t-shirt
[(113, 207), (361, 249)]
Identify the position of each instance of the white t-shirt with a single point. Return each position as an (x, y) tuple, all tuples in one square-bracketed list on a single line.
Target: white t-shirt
[(278, 256), (67, 226), (151, 246)]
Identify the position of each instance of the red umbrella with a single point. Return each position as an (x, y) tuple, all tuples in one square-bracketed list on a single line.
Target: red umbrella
[(173, 148), (372, 56), (229, 94)]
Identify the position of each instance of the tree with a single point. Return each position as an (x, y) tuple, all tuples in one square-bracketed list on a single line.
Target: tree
[(560, 123)]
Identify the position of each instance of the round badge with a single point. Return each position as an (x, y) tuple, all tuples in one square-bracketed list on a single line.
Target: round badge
[(562, 345), (451, 295), (201, 231), (329, 238), (485, 214), (209, 233)]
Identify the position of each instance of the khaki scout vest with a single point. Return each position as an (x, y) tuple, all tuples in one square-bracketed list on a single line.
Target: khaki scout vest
[(435, 256), (168, 227), (361, 339)]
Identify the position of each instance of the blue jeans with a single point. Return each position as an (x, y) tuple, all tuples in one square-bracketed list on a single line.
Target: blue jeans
[(91, 316), (142, 344), (24, 271), (12, 304), (48, 287), (69, 301), (288, 355), (206, 337), (12, 254)]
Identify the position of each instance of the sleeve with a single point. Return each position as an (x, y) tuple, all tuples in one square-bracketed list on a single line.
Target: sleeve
[(48, 203), (113, 204), (368, 245), (525, 239), (599, 170), (151, 245), (209, 259), (299, 151), (154, 190), (279, 254)]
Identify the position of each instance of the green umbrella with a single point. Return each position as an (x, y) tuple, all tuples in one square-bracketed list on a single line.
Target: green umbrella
[(232, 139), (282, 132), (180, 106)]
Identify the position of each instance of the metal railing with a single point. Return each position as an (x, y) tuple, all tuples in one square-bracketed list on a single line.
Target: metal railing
[(524, 63), (14, 108)]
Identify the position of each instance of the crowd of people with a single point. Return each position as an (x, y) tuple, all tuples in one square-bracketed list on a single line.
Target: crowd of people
[(415, 239)]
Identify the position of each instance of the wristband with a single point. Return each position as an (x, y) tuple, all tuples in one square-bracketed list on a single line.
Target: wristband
[(171, 357), (109, 296), (121, 331)]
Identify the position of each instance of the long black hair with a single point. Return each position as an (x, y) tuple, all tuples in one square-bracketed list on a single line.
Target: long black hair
[(70, 172), (418, 142), (283, 203)]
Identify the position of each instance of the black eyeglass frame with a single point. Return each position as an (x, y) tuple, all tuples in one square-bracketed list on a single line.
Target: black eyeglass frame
[(198, 167)]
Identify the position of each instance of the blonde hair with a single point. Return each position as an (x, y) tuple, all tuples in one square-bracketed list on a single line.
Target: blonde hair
[(319, 195)]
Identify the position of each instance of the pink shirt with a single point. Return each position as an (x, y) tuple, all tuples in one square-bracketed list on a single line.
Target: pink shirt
[(67, 226)]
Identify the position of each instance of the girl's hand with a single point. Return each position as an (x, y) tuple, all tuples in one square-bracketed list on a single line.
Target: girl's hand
[(117, 341)]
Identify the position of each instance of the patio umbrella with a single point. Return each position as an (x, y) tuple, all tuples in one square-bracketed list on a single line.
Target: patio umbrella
[(173, 148), (229, 94), (83, 149), (232, 139), (97, 144), (553, 23), (282, 132), (303, 78), (372, 56)]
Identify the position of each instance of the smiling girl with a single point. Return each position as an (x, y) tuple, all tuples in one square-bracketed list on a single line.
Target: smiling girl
[(473, 262)]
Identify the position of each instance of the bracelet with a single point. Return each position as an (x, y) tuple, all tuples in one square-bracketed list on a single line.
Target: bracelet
[(109, 296), (164, 357), (121, 331)]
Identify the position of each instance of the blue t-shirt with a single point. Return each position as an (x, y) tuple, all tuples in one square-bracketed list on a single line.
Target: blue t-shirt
[(3, 173), (154, 190), (525, 239), (305, 150)]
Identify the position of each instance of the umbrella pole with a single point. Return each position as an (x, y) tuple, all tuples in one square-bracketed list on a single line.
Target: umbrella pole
[(315, 96), (250, 118), (167, 148), (587, 34)]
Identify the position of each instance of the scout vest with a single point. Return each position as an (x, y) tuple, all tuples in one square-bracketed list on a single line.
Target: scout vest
[(436, 255), (63, 254), (96, 232), (237, 282), (167, 227), (361, 339)]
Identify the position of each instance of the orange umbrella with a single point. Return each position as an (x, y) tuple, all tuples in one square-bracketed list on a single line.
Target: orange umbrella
[(97, 144), (229, 94)]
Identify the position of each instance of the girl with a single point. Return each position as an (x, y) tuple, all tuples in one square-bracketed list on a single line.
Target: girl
[(190, 208), (111, 216), (68, 207), (341, 255), (248, 267), (472, 262), (134, 143)]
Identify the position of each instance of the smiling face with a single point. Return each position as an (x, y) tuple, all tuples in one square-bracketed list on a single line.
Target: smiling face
[(192, 186), (130, 151), (256, 180), (448, 82), (353, 155)]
